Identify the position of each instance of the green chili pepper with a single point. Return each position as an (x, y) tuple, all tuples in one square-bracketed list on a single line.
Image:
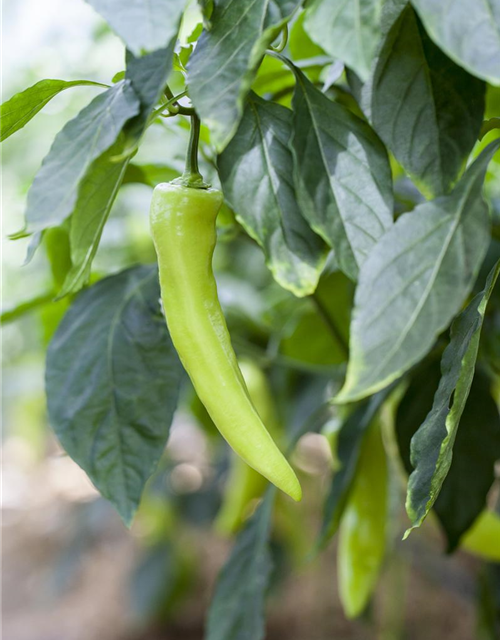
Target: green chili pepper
[(362, 530), (183, 229)]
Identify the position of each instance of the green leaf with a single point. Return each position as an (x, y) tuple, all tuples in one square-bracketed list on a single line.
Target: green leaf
[(143, 25), (112, 383), (22, 107), (256, 171), (432, 445), (427, 110), (415, 281), (226, 58), (342, 175), (350, 438), (149, 174), (53, 194), (468, 31), (237, 609), (347, 30)]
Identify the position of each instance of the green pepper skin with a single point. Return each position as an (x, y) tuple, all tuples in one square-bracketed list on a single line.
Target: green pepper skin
[(183, 229)]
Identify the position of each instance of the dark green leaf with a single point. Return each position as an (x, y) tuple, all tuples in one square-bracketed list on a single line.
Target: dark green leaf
[(432, 445), (415, 281), (226, 58), (143, 25), (256, 171), (468, 31), (112, 383), (54, 191), (350, 437), (237, 609), (348, 31), (342, 176), (477, 446), (21, 108), (426, 109)]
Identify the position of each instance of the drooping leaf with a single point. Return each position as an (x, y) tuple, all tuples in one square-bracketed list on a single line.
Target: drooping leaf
[(95, 129), (143, 25), (476, 448), (432, 445), (415, 281), (22, 107), (427, 110), (342, 175), (256, 171), (112, 383), (350, 438), (225, 60), (237, 609), (348, 31), (468, 31)]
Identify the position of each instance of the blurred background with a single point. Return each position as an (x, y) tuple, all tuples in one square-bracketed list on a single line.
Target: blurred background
[(71, 571)]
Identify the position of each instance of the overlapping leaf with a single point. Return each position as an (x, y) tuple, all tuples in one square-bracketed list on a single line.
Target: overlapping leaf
[(348, 30), (432, 445), (22, 107), (112, 383), (427, 110), (468, 31), (256, 171), (342, 175), (144, 25), (415, 281), (226, 58)]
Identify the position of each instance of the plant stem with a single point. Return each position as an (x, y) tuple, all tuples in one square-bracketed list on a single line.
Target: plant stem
[(192, 176)]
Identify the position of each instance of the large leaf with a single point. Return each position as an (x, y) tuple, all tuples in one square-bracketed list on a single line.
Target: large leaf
[(432, 445), (237, 609), (348, 30), (225, 60), (415, 281), (112, 383), (469, 32), (342, 175), (426, 109), (22, 107), (54, 191), (256, 171), (144, 25), (477, 446)]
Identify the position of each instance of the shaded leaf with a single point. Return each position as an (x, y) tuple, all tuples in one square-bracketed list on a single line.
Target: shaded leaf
[(16, 112), (342, 175), (468, 31), (225, 60), (237, 609), (415, 281), (348, 31), (144, 25), (426, 109), (112, 383), (432, 445), (256, 172), (149, 174), (54, 191)]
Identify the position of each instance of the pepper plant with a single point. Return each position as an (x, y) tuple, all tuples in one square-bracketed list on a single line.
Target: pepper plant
[(354, 146)]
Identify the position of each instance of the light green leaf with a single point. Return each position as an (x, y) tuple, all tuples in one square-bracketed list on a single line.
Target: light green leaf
[(225, 60), (427, 110), (237, 609), (22, 107), (415, 281), (432, 445), (256, 172), (143, 25), (149, 174), (112, 384), (349, 30), (342, 175), (53, 194), (468, 31)]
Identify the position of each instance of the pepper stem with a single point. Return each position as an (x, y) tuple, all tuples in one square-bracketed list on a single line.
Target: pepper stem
[(192, 176)]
